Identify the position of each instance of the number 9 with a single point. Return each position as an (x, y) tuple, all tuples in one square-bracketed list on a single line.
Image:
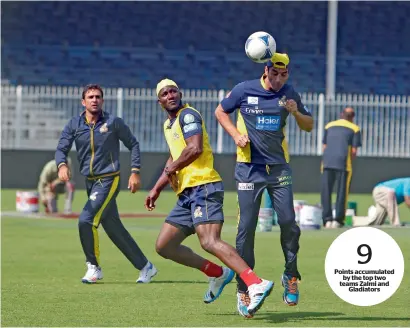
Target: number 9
[(368, 254)]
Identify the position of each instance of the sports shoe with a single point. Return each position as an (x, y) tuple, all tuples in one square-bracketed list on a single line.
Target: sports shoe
[(243, 303), (216, 285), (147, 273), (336, 224), (291, 293), (258, 294), (93, 274), (328, 224)]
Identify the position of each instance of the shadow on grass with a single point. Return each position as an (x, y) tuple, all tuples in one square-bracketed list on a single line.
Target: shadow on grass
[(283, 317), (277, 317), (358, 318), (152, 282)]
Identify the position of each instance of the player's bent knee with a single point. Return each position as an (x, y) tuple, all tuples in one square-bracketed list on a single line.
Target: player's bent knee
[(163, 250), (84, 222), (208, 244)]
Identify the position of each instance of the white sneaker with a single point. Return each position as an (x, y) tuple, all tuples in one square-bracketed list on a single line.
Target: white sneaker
[(328, 224), (257, 294), (93, 274), (336, 225), (147, 273), (242, 304), (216, 285)]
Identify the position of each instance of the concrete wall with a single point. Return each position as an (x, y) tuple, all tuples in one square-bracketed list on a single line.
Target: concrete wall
[(21, 169)]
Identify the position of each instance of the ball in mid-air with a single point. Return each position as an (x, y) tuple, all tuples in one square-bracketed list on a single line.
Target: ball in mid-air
[(260, 47)]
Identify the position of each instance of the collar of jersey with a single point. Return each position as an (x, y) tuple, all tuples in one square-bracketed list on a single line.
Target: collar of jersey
[(172, 120), (183, 107), (85, 118)]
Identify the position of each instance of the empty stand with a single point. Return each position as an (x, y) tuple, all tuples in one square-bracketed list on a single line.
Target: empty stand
[(200, 44)]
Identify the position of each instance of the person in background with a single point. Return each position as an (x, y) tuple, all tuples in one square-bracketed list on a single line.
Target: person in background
[(50, 186), (341, 140), (388, 195)]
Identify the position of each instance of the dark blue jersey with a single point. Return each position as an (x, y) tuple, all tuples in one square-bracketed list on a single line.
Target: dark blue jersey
[(98, 145), (262, 116), (340, 137)]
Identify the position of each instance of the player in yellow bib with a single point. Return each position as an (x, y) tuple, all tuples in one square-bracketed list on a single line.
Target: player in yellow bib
[(190, 171)]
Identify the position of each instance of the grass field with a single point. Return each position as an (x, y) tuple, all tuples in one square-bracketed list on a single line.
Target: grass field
[(42, 264)]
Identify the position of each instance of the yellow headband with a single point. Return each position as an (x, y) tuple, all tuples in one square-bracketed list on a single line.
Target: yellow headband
[(278, 58), (165, 83)]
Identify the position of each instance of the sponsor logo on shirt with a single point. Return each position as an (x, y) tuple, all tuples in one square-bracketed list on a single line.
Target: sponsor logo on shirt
[(104, 128), (253, 100), (282, 101), (268, 123), (189, 118), (190, 127), (253, 111)]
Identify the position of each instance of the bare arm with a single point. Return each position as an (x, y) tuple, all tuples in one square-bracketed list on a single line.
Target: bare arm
[(300, 113), (226, 122), (356, 143), (304, 122), (190, 153), (163, 179), (161, 183), (353, 152)]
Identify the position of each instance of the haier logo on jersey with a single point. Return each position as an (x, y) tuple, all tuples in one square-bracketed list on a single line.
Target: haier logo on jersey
[(268, 123)]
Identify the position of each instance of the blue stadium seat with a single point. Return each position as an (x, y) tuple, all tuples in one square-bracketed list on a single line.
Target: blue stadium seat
[(134, 44)]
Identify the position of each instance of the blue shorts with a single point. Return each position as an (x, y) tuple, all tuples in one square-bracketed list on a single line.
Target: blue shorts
[(198, 205)]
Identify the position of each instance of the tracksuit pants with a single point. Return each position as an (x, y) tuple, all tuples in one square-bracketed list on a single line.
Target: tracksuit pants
[(101, 207), (252, 180), (342, 179)]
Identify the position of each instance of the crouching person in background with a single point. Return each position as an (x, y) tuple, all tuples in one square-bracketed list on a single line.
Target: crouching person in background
[(50, 186), (387, 195)]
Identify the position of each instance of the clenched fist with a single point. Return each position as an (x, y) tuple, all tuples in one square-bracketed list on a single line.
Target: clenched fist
[(64, 173), (291, 106), (242, 140)]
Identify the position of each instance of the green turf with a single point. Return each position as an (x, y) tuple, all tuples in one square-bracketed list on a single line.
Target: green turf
[(128, 202), (42, 264)]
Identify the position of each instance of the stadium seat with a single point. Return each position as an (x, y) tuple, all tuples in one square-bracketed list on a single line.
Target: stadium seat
[(40, 40)]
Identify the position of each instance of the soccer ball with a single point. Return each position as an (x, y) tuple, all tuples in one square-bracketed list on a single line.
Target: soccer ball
[(260, 47)]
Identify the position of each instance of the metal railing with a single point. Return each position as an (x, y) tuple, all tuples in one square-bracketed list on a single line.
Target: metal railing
[(32, 117)]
